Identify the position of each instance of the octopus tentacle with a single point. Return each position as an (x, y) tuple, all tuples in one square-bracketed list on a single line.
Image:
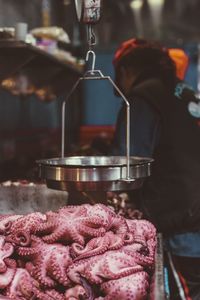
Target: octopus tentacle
[(118, 225), (39, 295), (95, 221), (51, 215), (11, 263), (129, 238), (6, 223), (116, 241), (139, 240), (27, 251), (53, 237), (76, 269), (146, 231), (144, 260), (132, 287), (7, 277), (22, 228), (46, 227), (59, 263), (92, 232), (49, 262), (76, 249), (7, 227), (94, 247), (55, 295), (64, 234), (30, 268), (56, 274), (76, 236), (23, 238), (22, 286), (121, 272), (6, 250), (40, 274)]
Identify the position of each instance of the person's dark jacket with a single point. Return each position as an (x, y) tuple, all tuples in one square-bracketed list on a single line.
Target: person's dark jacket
[(170, 197)]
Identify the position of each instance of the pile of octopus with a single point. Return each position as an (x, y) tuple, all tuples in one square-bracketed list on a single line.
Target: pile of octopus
[(77, 252)]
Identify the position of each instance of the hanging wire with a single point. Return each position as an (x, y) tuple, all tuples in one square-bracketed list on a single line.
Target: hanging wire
[(91, 36)]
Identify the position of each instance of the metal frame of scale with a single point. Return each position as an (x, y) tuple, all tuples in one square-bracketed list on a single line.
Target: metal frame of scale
[(94, 173)]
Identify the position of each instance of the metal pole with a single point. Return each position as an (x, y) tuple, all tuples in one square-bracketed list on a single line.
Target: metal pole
[(127, 128), (63, 117)]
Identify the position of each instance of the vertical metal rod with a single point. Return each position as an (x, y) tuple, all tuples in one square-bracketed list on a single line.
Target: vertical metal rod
[(198, 73), (127, 128), (63, 116), (128, 141), (63, 130)]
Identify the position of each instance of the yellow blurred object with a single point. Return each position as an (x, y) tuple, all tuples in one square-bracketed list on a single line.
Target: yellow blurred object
[(181, 61), (18, 85), (45, 94)]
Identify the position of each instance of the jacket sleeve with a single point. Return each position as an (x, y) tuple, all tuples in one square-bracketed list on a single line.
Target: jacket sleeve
[(145, 129)]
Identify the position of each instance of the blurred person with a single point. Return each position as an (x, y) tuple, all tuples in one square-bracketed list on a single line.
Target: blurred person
[(165, 125)]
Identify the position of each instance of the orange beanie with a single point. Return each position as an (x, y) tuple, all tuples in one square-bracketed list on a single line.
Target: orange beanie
[(181, 61), (178, 56), (124, 49)]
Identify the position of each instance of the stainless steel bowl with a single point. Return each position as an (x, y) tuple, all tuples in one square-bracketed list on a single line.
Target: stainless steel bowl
[(94, 173)]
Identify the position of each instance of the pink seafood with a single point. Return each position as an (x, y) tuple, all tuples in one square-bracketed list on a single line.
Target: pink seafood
[(85, 251)]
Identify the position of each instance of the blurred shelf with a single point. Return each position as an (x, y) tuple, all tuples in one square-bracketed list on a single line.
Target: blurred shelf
[(41, 70)]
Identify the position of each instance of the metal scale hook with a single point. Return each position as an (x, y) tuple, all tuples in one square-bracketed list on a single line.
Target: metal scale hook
[(91, 53)]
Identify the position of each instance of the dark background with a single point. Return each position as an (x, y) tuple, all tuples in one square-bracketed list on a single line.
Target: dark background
[(179, 20)]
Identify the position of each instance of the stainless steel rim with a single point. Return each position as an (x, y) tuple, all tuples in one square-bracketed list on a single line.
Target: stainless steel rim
[(91, 173), (94, 186), (94, 161)]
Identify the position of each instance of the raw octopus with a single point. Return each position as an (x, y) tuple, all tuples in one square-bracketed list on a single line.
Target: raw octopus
[(78, 252)]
